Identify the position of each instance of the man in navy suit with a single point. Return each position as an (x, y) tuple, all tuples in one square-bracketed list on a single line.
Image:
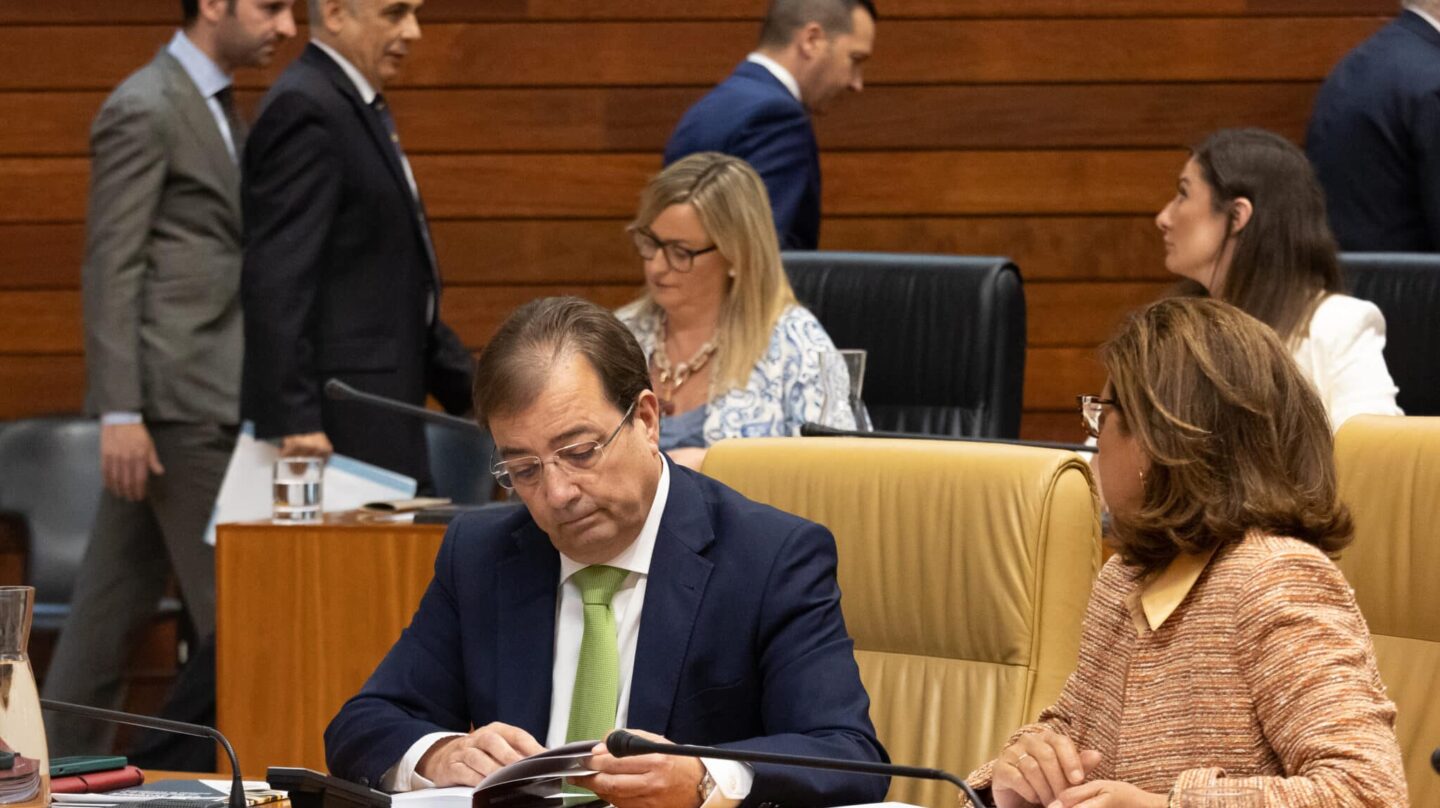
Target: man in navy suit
[(1374, 137), (340, 278), (810, 52), (720, 623)]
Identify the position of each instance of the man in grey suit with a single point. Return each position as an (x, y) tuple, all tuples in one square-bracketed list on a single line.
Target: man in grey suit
[(163, 341)]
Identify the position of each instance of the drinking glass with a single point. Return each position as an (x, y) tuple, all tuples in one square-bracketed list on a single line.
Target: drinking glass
[(844, 369), (24, 756), (1219, 796), (299, 497)]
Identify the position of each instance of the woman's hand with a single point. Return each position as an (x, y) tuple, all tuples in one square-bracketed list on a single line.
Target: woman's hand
[(1039, 767), (1110, 794)]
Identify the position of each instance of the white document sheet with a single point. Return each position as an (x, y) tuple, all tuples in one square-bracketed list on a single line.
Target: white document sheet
[(246, 495)]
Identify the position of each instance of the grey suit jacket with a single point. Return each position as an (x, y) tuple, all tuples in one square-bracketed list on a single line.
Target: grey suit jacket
[(161, 281)]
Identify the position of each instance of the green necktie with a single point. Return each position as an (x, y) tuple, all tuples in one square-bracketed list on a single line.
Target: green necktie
[(597, 677)]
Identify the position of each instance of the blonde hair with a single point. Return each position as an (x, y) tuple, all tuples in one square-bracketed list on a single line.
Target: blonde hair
[(733, 207)]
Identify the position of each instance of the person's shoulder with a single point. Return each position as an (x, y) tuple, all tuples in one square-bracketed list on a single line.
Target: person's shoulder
[(797, 326), (141, 91), (1265, 560), (739, 519), (1340, 316), (485, 531)]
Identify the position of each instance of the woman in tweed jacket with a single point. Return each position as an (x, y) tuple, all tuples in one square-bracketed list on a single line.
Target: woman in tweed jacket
[(1221, 645)]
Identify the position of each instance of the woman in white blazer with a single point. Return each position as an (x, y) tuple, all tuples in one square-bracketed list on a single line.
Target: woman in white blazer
[(1247, 225)]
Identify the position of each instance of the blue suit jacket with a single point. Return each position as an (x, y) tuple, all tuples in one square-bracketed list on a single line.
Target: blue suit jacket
[(1374, 139), (742, 644), (752, 116)]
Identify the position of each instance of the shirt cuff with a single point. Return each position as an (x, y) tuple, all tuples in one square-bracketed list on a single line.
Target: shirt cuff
[(402, 776), (121, 418), (733, 780)]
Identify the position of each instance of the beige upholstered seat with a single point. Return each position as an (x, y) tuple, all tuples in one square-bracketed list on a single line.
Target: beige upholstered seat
[(1390, 477), (964, 570)]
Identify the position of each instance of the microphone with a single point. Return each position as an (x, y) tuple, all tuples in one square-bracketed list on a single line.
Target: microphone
[(810, 429), (237, 787), (624, 744), (337, 390)]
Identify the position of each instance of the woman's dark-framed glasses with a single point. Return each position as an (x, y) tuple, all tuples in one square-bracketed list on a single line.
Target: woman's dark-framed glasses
[(526, 472), (678, 258), (1092, 409)]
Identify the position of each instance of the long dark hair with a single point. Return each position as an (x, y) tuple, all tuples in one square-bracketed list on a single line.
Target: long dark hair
[(1285, 257)]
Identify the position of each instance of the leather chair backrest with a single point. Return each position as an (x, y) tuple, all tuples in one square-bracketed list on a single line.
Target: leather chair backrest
[(964, 570), (1389, 470), (50, 477), (945, 335), (1406, 287), (460, 463)]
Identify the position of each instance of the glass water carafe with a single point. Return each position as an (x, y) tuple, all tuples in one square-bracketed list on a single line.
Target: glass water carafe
[(24, 760)]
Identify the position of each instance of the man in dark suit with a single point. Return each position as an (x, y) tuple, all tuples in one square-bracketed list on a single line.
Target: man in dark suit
[(1374, 137), (810, 52), (161, 290), (340, 277), (532, 628)]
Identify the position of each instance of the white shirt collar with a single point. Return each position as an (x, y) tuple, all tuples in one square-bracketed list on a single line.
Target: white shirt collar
[(208, 77), (778, 70), (636, 557), (1434, 23), (367, 93)]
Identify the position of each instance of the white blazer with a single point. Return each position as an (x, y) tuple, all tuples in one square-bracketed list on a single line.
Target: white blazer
[(1342, 355)]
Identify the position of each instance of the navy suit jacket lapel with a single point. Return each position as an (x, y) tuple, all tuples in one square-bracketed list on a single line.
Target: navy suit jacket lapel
[(761, 75), (527, 580), (369, 119), (674, 591), (1417, 25), (194, 110)]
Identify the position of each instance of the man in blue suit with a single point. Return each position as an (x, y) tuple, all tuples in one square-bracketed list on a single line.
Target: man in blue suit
[(628, 592), (1374, 137), (810, 52)]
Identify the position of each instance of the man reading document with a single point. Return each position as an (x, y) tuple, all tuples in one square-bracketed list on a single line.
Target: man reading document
[(627, 592)]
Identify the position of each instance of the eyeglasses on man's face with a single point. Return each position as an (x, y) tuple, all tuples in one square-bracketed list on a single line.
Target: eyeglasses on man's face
[(1092, 411), (526, 472), (678, 258)]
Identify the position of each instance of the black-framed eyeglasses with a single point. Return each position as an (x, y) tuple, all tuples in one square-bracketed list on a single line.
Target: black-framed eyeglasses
[(526, 472), (1091, 410), (678, 258)]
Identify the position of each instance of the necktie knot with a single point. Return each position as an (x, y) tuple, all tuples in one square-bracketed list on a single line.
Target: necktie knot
[(599, 583)]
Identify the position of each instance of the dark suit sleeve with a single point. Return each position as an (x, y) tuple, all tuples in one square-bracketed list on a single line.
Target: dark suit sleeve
[(813, 702), (778, 143), (292, 193), (417, 689), (127, 178), (1426, 142), (449, 370)]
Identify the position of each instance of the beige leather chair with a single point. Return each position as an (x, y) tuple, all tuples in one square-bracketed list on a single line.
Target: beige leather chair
[(964, 571), (1389, 472)]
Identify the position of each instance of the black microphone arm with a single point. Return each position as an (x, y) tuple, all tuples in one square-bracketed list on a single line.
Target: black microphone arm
[(237, 786), (1435, 760), (337, 390), (810, 429), (624, 744)]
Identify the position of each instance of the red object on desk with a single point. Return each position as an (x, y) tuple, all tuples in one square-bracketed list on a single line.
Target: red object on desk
[(94, 782)]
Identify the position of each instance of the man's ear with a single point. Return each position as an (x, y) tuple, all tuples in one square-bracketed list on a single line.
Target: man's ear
[(332, 11), (213, 11), (1240, 212), (647, 417), (811, 39)]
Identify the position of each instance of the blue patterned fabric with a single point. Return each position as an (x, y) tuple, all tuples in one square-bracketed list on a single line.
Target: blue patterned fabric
[(685, 429), (787, 386)]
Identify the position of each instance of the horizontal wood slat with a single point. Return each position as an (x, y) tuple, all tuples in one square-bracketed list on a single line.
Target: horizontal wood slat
[(608, 185), (700, 53), (621, 119), (48, 322), (591, 251), (39, 385), (164, 11)]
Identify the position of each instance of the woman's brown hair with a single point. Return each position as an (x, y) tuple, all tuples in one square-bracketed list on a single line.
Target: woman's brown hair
[(1236, 437), (1285, 257)]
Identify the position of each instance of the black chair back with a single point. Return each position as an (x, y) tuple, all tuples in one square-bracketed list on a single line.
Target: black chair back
[(460, 463), (50, 478), (1406, 287), (945, 335)]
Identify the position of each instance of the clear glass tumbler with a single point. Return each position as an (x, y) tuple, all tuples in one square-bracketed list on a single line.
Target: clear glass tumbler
[(24, 756)]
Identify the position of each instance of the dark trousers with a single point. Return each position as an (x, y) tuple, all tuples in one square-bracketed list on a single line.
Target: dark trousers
[(134, 547)]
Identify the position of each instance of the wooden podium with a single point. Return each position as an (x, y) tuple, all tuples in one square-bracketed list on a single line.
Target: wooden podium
[(303, 615)]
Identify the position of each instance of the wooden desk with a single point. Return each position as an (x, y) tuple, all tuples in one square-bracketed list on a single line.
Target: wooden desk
[(303, 615)]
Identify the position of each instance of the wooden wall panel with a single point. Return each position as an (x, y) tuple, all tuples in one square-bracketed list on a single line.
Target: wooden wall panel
[(1046, 130)]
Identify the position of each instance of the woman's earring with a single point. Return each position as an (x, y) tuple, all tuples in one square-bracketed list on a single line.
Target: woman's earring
[(731, 273)]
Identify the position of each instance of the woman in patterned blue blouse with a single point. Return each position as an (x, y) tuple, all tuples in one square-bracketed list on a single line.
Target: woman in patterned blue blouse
[(732, 354)]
